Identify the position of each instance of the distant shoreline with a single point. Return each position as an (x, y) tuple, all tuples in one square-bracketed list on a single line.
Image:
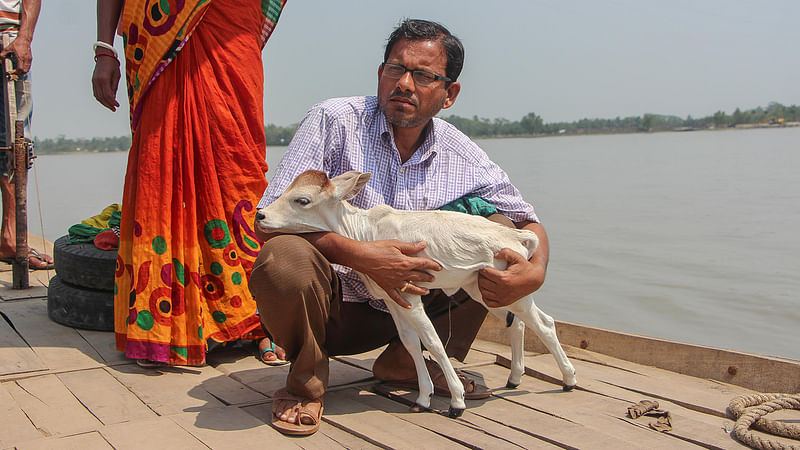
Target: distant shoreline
[(579, 132)]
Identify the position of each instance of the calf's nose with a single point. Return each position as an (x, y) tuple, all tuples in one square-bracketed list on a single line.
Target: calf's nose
[(260, 216)]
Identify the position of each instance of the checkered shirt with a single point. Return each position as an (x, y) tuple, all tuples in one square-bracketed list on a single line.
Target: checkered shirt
[(343, 134)]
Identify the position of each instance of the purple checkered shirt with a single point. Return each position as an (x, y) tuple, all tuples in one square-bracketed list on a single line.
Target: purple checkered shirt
[(343, 134)]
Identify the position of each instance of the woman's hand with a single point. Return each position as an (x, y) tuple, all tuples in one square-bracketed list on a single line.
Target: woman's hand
[(105, 81)]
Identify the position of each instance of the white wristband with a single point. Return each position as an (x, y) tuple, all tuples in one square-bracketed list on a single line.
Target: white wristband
[(106, 46)]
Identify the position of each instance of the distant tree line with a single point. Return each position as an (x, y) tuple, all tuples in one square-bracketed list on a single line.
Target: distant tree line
[(476, 127), (533, 125)]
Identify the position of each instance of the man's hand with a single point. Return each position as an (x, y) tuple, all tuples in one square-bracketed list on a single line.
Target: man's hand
[(391, 264), (105, 81), (21, 49), (501, 288)]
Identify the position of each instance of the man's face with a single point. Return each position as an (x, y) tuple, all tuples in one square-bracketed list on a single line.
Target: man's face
[(405, 103)]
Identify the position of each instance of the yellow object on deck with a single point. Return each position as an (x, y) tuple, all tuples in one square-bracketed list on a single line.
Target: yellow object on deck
[(101, 220)]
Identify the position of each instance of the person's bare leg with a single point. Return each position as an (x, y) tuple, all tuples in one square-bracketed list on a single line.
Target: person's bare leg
[(8, 241), (8, 233)]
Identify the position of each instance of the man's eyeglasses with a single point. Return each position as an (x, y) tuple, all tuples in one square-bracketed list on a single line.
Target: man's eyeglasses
[(421, 77)]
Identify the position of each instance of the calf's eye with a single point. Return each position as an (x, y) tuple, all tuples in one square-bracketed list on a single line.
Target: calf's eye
[(302, 201)]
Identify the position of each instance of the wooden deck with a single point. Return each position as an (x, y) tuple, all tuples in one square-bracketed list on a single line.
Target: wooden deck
[(67, 388)]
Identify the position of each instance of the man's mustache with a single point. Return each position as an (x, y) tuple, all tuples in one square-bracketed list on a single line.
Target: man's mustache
[(399, 93)]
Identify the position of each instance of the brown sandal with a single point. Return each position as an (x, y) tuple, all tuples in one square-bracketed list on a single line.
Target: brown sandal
[(305, 415), (472, 390)]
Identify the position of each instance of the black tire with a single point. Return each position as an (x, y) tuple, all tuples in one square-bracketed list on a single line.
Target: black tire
[(84, 265), (80, 308)]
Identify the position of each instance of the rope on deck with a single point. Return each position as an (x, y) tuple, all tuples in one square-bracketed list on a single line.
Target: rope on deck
[(748, 410)]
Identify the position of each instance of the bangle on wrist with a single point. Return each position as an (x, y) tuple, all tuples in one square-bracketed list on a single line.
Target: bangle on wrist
[(103, 45), (109, 54)]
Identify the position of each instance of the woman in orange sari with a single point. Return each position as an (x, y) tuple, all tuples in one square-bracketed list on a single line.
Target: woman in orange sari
[(195, 170)]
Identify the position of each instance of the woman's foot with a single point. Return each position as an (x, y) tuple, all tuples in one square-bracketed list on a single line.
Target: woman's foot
[(150, 364), (271, 354)]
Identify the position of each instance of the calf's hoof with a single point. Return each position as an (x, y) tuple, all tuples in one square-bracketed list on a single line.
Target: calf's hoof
[(511, 385), (455, 413), (417, 408), (568, 388)]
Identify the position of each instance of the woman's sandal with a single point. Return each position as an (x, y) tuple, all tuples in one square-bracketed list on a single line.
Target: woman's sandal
[(275, 362), (150, 364)]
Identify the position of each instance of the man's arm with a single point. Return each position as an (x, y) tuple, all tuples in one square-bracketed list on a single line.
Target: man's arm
[(522, 277), (390, 263), (21, 46), (105, 78)]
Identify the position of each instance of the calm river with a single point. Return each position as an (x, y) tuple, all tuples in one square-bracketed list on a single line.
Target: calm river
[(686, 236)]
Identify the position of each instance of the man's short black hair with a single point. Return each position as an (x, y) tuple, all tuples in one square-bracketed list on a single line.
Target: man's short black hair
[(425, 30)]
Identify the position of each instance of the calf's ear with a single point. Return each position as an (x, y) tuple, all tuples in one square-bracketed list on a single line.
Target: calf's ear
[(348, 184)]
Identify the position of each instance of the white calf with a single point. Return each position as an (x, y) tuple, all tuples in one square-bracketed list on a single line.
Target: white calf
[(462, 244)]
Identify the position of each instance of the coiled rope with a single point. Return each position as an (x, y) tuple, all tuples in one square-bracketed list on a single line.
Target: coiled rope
[(748, 411)]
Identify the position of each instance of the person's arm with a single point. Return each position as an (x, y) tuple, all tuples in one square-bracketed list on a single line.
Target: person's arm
[(389, 263), (522, 277), (20, 47), (105, 78)]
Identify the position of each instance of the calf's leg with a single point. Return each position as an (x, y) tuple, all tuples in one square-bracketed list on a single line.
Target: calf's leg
[(544, 326), (516, 336), (424, 331)]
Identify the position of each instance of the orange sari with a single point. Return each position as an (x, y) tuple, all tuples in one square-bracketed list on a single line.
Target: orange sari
[(195, 172)]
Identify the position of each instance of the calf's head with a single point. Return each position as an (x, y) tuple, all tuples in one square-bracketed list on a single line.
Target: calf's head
[(313, 202)]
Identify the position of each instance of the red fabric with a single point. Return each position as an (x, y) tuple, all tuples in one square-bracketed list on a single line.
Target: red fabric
[(106, 240), (195, 173)]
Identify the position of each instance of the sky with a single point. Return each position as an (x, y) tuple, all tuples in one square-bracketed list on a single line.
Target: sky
[(562, 59)]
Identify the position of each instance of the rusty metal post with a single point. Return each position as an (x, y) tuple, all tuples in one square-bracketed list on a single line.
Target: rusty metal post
[(20, 266)]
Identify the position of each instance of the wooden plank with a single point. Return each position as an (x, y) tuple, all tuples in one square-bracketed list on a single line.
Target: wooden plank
[(456, 430), (267, 379), (232, 392), (690, 424), (231, 428), (60, 348), (158, 432), (344, 410), (171, 390), (606, 414), (367, 359), (35, 291), (593, 412), (104, 344), (104, 396), (15, 355), (526, 427), (707, 396), (51, 406), (327, 437), (756, 372), (16, 427), (84, 441), (546, 427)]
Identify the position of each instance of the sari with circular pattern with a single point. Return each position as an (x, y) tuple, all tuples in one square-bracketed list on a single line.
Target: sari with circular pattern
[(195, 171)]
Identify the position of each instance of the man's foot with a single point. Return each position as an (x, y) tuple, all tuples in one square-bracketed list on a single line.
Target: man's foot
[(396, 368), (295, 415), (36, 260), (270, 354), (472, 390)]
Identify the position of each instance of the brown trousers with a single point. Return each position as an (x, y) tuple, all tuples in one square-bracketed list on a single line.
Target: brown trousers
[(299, 298)]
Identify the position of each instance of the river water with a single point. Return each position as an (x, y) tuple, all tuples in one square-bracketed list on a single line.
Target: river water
[(689, 236)]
